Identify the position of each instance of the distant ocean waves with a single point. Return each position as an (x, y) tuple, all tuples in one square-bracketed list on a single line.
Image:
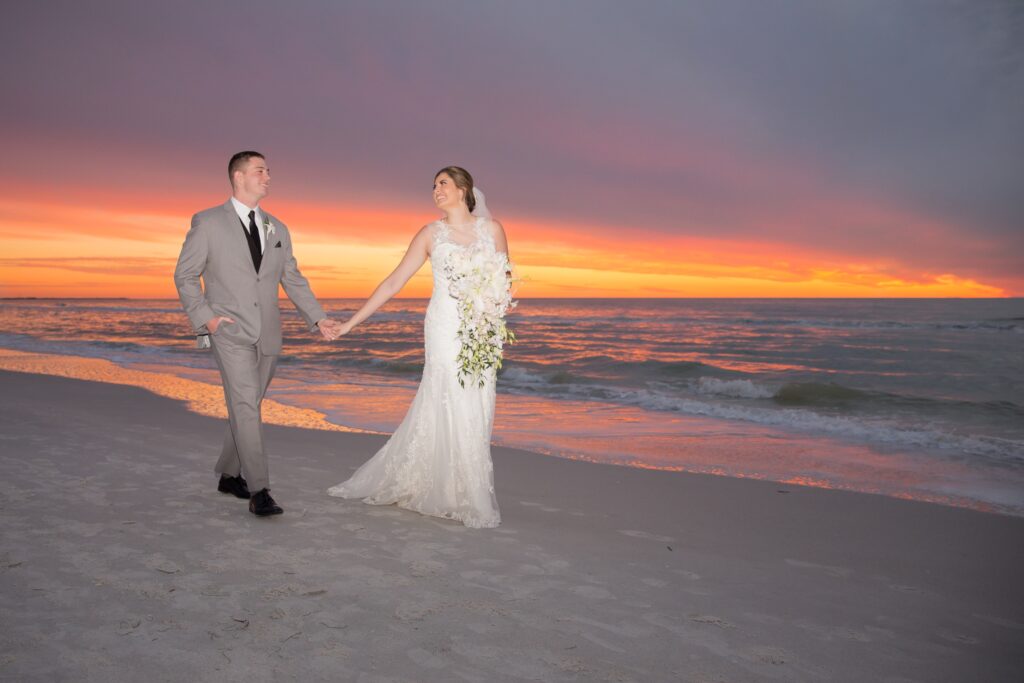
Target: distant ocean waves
[(933, 384), (694, 388), (932, 374), (816, 408), (1011, 324)]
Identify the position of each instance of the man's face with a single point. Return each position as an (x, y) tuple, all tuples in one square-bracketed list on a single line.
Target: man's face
[(254, 179)]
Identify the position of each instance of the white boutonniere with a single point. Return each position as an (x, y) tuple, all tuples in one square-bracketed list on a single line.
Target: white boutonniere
[(268, 226)]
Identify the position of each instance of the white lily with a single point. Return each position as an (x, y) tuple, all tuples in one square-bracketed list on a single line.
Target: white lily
[(478, 281)]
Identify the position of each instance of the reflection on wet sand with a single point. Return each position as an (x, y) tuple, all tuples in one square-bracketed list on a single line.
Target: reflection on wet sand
[(201, 398)]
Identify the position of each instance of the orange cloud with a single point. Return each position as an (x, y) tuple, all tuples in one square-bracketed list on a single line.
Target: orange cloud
[(127, 247)]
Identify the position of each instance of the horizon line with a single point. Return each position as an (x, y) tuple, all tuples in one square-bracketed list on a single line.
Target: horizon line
[(585, 298)]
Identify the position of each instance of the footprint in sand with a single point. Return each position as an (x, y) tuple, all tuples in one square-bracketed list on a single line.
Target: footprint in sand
[(602, 642), (711, 619), (427, 567), (384, 513), (412, 611), (449, 526), (555, 565), (623, 630), (162, 565), (505, 539), (487, 562), (850, 634), (647, 536), (424, 658), (829, 632), (876, 632), (836, 572), (692, 576), (371, 536), (769, 655), (592, 592), (539, 506), (999, 621)]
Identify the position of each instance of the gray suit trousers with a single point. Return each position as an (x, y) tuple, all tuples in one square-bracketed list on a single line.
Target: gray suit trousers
[(245, 372)]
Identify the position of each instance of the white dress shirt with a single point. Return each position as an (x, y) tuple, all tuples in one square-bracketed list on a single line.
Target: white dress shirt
[(243, 213)]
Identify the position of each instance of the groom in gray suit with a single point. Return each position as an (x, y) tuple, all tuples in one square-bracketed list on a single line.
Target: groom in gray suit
[(242, 254)]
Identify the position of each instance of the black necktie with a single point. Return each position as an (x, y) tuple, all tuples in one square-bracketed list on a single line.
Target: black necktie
[(254, 242)]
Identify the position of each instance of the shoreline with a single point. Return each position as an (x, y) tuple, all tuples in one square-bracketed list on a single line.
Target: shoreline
[(207, 399), (117, 545), (886, 479), (200, 398)]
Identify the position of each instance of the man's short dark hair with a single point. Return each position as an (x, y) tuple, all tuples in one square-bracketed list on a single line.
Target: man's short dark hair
[(239, 160)]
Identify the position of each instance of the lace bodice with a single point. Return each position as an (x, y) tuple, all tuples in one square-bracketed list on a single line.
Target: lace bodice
[(442, 240), (442, 306)]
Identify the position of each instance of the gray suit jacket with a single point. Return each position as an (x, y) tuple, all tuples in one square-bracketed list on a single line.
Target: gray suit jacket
[(216, 250)]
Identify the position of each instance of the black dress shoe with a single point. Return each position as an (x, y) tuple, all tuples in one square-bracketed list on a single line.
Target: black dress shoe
[(236, 486), (262, 505)]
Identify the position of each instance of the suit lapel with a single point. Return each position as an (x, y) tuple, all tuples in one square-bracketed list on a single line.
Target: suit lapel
[(236, 233), (270, 253)]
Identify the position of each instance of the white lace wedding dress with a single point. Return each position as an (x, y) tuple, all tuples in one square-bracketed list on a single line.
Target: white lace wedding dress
[(438, 461)]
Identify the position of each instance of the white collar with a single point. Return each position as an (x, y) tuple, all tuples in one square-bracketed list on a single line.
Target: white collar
[(243, 212)]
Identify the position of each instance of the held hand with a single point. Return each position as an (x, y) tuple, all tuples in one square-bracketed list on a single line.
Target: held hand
[(344, 328), (215, 323), (328, 328)]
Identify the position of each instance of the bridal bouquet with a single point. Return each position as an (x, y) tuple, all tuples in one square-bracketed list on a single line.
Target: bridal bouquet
[(480, 282)]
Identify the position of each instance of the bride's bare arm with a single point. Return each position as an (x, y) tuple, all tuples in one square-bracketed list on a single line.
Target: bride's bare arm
[(500, 241), (501, 244), (415, 257)]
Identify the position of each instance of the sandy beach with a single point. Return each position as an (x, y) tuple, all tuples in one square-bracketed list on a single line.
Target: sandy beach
[(120, 562)]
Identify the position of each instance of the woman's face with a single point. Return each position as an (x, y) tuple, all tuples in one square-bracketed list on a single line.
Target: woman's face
[(447, 195)]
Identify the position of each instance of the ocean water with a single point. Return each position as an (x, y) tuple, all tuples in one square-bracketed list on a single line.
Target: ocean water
[(913, 398)]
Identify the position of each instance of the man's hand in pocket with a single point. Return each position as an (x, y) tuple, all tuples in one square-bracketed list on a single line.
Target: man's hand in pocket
[(216, 322)]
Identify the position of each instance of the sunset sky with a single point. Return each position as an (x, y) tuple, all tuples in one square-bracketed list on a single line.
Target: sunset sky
[(756, 148)]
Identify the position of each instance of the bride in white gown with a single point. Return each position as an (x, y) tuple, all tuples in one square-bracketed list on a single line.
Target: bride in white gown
[(438, 461)]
